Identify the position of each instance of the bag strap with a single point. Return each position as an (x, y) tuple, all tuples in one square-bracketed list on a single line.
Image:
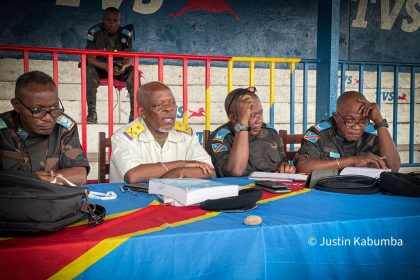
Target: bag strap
[(95, 212)]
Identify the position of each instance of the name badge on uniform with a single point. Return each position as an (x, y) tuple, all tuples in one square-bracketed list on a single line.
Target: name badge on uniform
[(334, 155)]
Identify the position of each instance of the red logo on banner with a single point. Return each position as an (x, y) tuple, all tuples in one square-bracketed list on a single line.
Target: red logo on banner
[(402, 97), (199, 113), (211, 6)]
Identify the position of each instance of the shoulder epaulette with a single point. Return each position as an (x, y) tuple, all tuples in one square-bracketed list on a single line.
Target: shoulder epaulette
[(323, 125), (371, 129), (183, 127), (3, 124), (126, 32), (91, 33), (95, 29), (268, 126), (134, 130), (65, 122), (221, 134)]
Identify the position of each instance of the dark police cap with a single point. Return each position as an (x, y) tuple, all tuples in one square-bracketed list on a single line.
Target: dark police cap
[(400, 184), (246, 200)]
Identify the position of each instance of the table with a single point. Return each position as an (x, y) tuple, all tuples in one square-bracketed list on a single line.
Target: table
[(304, 234)]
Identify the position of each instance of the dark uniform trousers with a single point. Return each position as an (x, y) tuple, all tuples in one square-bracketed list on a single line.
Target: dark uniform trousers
[(93, 76)]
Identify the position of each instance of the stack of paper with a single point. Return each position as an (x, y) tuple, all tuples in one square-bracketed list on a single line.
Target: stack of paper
[(277, 176), (188, 191), (366, 171)]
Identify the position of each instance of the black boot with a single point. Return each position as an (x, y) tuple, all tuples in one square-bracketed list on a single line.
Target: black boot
[(92, 117)]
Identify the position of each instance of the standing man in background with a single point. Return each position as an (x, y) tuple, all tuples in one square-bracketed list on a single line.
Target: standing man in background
[(109, 36)]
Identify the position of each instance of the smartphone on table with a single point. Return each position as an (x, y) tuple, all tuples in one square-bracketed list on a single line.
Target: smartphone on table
[(272, 186)]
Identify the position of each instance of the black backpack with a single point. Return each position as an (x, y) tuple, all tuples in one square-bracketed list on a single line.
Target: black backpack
[(400, 183), (29, 206)]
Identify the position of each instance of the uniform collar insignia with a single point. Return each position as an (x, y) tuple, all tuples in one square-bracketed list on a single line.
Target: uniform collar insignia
[(134, 130), (65, 122), (183, 127), (2, 124), (23, 134)]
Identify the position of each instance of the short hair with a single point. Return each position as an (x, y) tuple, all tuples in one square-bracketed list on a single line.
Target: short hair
[(33, 77), (111, 10), (147, 89)]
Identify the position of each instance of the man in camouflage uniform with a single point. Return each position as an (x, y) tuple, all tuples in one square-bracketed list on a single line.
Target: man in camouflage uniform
[(37, 137), (110, 36), (349, 139), (245, 144)]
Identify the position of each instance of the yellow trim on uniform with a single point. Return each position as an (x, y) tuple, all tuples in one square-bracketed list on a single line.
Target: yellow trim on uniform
[(107, 245), (134, 130), (183, 127)]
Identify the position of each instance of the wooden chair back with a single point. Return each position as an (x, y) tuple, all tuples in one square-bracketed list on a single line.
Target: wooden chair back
[(103, 161), (290, 139)]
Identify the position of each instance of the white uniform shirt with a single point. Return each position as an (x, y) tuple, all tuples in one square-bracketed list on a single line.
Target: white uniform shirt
[(128, 152)]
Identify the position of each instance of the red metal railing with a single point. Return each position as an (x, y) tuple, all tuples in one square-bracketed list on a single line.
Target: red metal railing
[(110, 54)]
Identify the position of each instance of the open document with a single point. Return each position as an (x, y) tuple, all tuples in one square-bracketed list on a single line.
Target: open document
[(277, 176)]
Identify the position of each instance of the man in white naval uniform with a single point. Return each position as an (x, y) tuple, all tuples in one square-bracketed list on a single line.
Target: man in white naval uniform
[(155, 145)]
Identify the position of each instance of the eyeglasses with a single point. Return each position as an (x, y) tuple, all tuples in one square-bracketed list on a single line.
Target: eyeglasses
[(350, 122), (39, 113), (240, 92)]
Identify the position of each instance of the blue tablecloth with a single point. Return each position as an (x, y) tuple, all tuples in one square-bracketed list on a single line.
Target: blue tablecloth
[(311, 234)]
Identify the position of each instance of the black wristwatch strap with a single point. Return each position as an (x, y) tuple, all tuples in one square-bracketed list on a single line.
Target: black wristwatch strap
[(382, 123)]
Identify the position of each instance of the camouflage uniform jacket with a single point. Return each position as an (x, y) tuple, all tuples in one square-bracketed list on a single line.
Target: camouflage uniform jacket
[(99, 39), (21, 151), (322, 141), (265, 150)]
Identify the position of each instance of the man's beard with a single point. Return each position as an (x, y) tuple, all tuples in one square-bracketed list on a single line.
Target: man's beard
[(164, 130)]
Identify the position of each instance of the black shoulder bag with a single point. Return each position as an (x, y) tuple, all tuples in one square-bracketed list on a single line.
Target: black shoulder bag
[(29, 206)]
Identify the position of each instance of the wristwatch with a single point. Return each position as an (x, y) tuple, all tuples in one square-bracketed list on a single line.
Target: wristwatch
[(240, 127), (381, 124)]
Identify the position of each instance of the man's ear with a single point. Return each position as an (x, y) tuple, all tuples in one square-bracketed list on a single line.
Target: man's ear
[(335, 117), (141, 112), (15, 104)]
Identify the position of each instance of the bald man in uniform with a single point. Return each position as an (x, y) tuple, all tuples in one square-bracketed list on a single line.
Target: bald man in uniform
[(155, 145), (37, 137), (348, 138), (245, 144)]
